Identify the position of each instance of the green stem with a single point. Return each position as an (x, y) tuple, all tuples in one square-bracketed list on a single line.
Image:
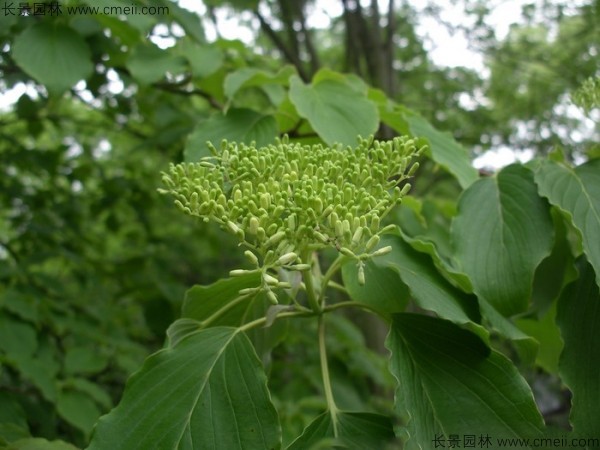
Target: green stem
[(258, 322), (350, 304), (338, 286), (307, 275), (331, 406), (335, 266)]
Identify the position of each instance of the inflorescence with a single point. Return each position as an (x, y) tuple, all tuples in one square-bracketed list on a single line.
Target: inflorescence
[(284, 199)]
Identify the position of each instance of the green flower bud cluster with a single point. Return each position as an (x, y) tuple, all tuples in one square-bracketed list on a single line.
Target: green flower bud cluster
[(281, 199)]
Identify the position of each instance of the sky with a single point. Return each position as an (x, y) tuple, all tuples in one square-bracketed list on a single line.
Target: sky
[(445, 49)]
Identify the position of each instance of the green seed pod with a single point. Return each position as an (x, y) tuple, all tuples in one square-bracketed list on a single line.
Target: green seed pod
[(361, 274), (413, 169), (251, 257), (357, 236), (272, 297), (287, 259), (261, 234), (253, 225), (405, 189), (321, 237), (249, 291), (375, 224), (339, 230), (300, 267), (233, 227), (240, 272), (347, 252), (372, 242), (275, 239), (382, 251), (268, 279), (265, 201)]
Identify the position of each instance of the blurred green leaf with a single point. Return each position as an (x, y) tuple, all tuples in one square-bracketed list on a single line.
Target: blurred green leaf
[(78, 409), (53, 54), (84, 360), (149, 64)]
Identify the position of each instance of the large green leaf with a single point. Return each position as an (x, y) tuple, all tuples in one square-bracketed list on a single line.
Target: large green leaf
[(209, 391), (502, 232), (429, 289), (443, 148), (354, 431), (578, 317), (334, 109), (53, 54), (239, 125), (576, 192), (451, 383)]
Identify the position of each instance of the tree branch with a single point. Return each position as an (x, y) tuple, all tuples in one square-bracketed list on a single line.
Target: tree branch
[(278, 42)]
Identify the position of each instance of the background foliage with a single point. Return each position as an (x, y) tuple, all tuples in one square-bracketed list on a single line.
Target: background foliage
[(95, 265)]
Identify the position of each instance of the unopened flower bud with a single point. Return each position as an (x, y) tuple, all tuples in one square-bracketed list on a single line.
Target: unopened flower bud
[(287, 259), (383, 251), (270, 279), (361, 274), (372, 242), (251, 257)]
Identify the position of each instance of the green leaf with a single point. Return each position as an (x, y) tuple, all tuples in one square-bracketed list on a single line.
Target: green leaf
[(502, 232), (40, 444), (526, 346), (577, 193), (201, 302), (544, 331), (335, 110), (53, 54), (383, 290), (93, 390), (207, 391), (239, 125), (429, 289), (444, 150), (17, 338), (188, 20), (204, 60), (84, 360), (78, 409), (578, 317), (355, 430), (450, 382), (149, 64), (425, 228), (249, 76)]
